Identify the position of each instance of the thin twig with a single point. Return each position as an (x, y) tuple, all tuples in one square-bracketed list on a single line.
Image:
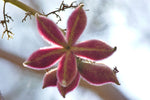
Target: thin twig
[(4, 23), (62, 7), (26, 15)]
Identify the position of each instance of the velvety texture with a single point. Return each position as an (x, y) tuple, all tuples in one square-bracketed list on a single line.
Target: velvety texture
[(97, 74), (67, 69), (66, 76), (70, 87), (44, 58), (50, 31), (93, 49), (76, 24), (50, 78)]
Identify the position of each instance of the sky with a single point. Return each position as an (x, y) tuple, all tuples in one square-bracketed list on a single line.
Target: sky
[(121, 23)]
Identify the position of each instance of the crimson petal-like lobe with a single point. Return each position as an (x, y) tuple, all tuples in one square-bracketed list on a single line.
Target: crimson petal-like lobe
[(76, 24), (64, 90), (44, 58), (67, 69), (97, 74), (50, 31), (50, 78), (93, 49)]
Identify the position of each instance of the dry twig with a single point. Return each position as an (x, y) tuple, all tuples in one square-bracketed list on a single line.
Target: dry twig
[(62, 7), (4, 22), (26, 15)]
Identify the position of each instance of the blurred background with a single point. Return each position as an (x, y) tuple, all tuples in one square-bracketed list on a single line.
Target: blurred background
[(121, 23)]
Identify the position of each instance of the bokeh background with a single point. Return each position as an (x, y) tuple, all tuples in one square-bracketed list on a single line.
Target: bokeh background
[(121, 23)]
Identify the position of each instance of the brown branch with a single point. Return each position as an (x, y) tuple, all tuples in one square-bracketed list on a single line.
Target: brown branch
[(106, 92), (16, 60)]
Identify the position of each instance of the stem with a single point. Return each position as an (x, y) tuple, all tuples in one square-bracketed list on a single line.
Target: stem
[(23, 6), (4, 15), (5, 21)]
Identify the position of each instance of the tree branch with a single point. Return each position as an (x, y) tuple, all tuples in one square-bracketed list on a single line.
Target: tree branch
[(106, 92), (23, 6), (16, 60)]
